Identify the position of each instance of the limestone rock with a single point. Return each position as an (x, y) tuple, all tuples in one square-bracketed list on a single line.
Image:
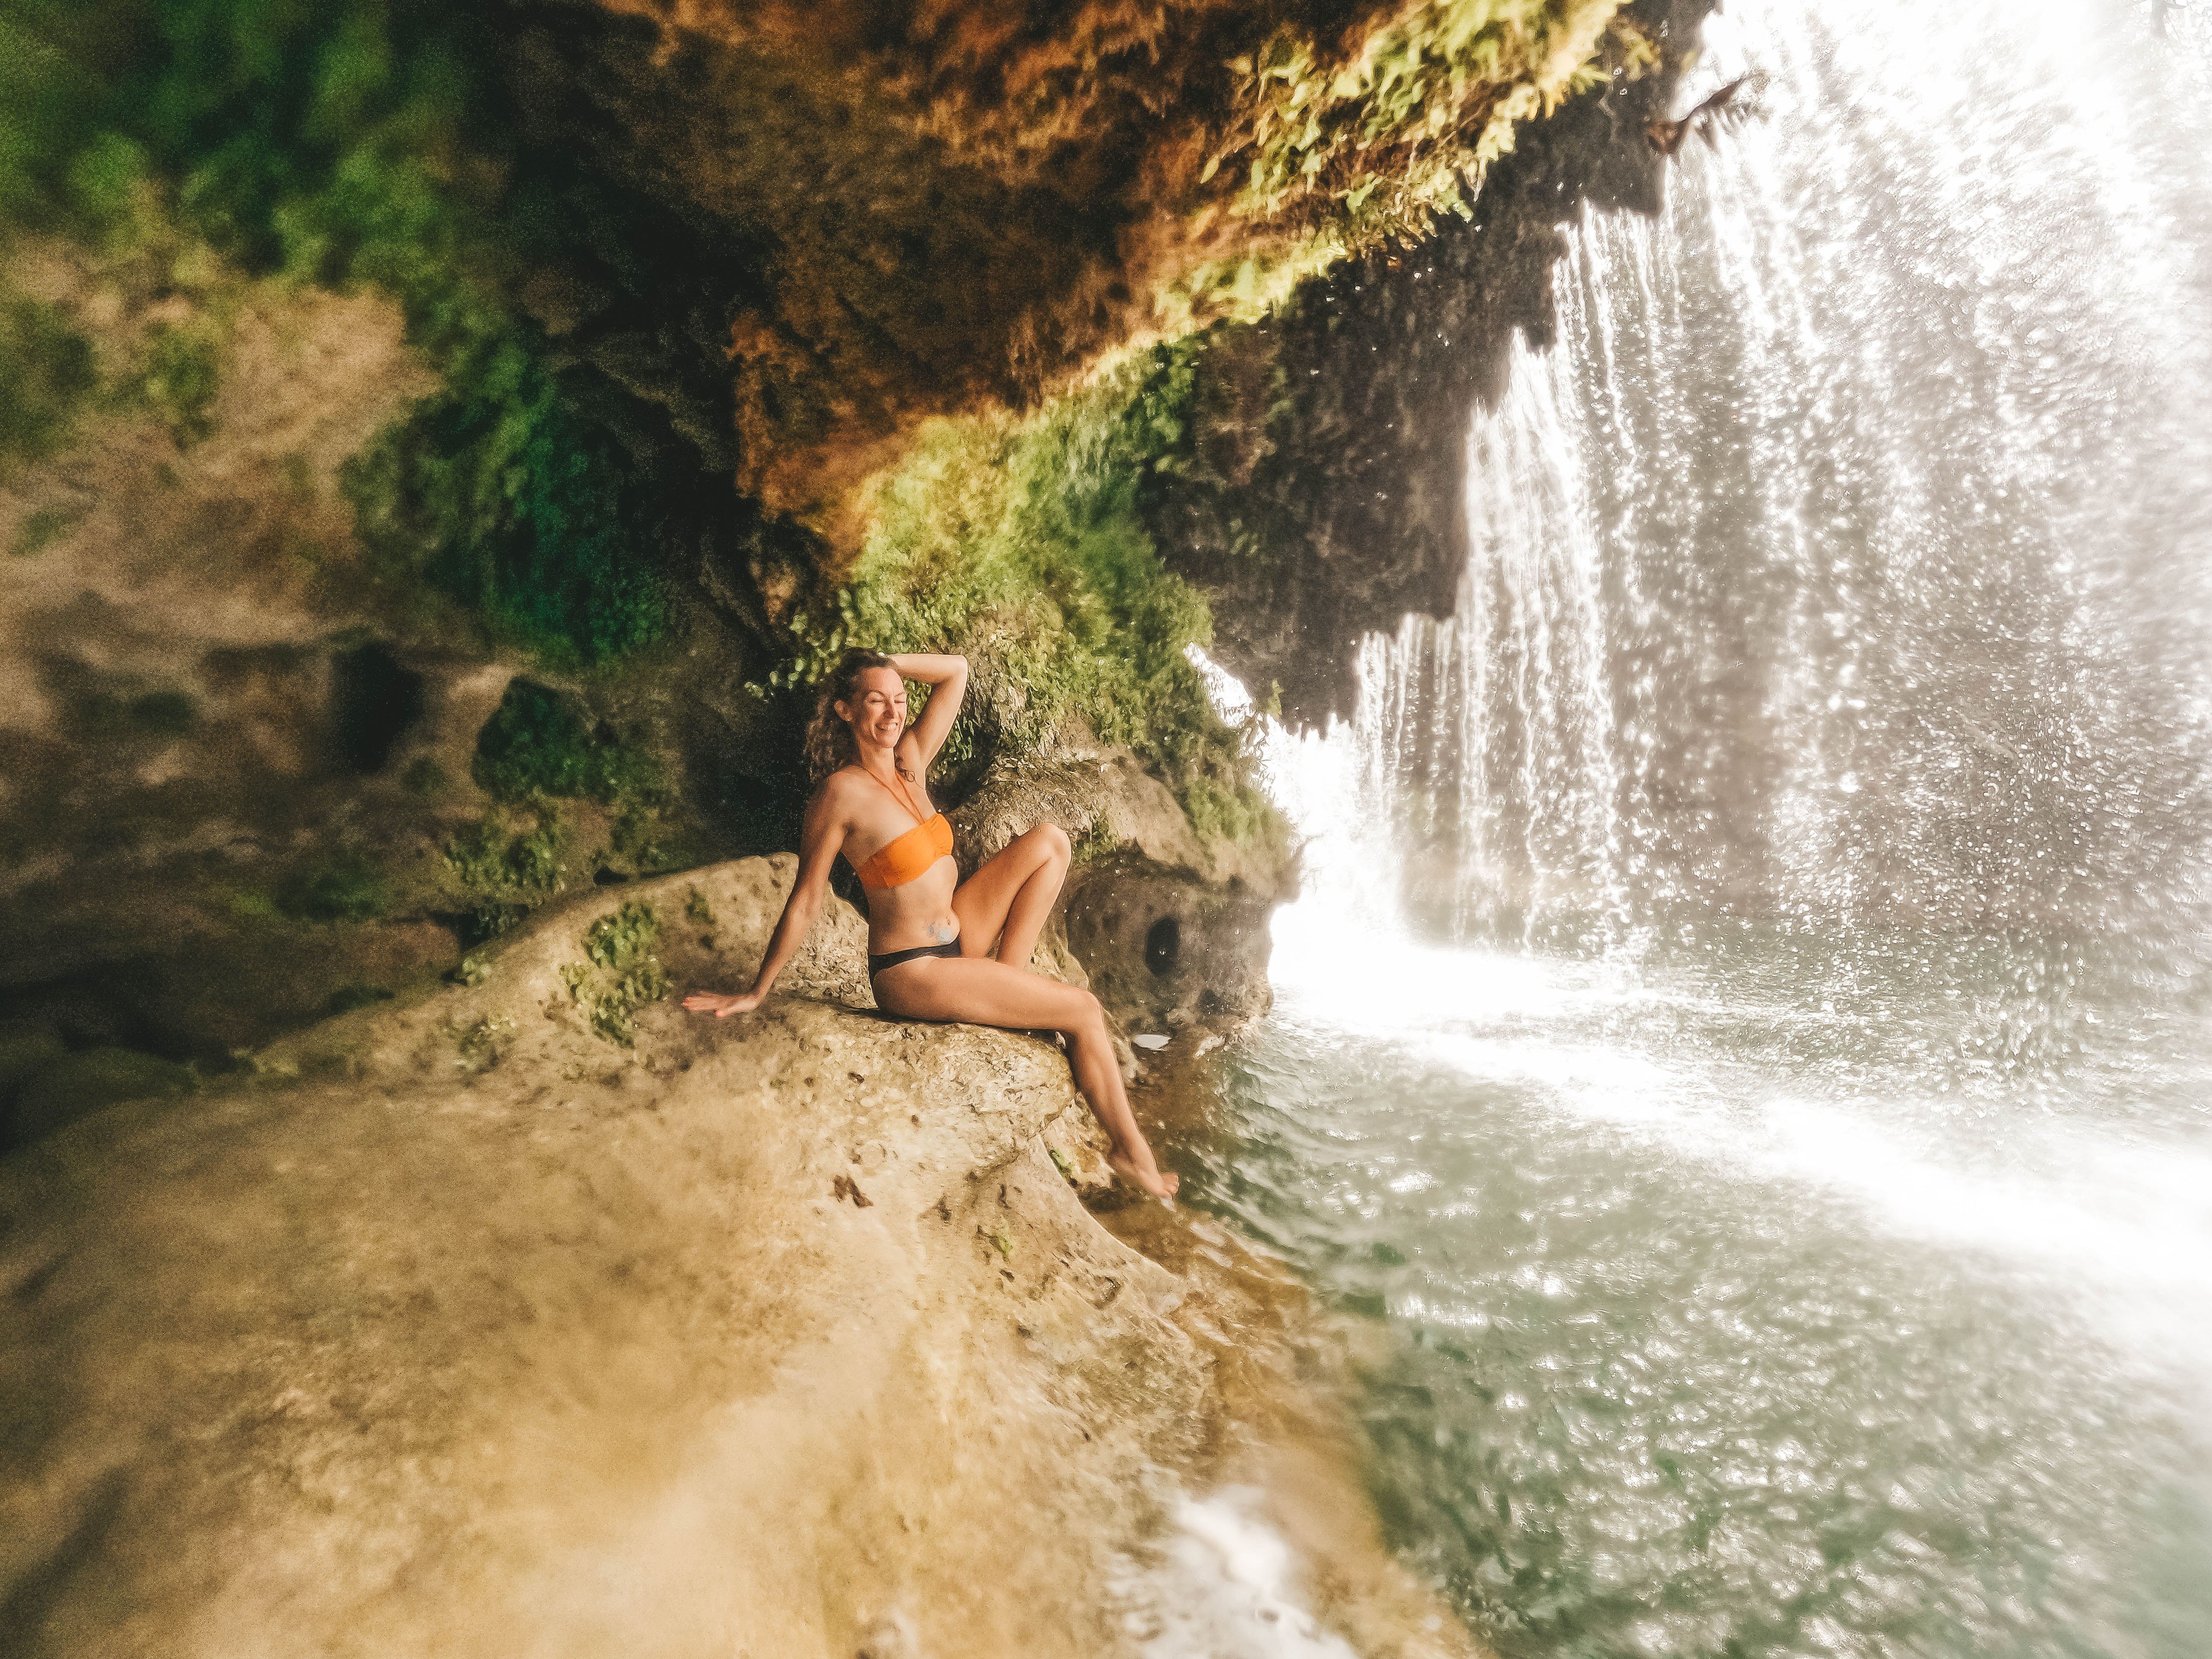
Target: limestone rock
[(779, 1335), (1167, 930)]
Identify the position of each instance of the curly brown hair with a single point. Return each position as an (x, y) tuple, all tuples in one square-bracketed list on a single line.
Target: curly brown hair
[(828, 740)]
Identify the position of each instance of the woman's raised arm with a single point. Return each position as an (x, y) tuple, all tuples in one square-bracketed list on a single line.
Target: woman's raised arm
[(819, 840), (947, 679)]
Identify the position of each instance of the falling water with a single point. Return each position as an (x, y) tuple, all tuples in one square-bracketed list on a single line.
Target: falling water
[(1745, 1046), (1845, 561)]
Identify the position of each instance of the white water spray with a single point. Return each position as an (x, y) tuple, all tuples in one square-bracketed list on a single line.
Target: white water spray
[(1845, 559)]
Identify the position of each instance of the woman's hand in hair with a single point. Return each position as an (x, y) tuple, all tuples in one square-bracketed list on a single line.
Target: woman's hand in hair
[(711, 1002), (947, 678)]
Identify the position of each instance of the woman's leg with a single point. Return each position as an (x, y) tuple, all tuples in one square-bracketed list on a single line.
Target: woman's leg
[(985, 992), (1013, 894)]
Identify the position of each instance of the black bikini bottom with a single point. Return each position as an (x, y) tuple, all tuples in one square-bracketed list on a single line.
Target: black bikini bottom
[(892, 958)]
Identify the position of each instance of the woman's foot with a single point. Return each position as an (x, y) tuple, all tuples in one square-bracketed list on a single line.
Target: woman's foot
[(1144, 1175)]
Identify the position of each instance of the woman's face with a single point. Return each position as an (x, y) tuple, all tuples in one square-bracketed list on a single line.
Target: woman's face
[(876, 708)]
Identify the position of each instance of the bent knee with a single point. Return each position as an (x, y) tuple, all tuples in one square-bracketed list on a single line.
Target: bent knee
[(1050, 837)]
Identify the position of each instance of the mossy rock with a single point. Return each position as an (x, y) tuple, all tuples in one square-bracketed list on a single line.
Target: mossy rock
[(77, 1086), (344, 886), (537, 743)]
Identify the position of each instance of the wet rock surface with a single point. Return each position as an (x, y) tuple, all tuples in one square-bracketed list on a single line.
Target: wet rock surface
[(1166, 950), (1167, 928)]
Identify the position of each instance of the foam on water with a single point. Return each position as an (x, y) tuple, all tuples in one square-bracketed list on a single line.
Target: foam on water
[(1222, 1584)]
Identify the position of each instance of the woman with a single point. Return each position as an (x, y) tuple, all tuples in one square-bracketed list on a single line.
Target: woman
[(930, 934)]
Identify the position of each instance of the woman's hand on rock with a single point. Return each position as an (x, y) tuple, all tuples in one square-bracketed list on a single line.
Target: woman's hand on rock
[(711, 1002)]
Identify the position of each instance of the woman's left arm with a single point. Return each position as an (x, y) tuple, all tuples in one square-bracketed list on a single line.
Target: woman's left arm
[(947, 680)]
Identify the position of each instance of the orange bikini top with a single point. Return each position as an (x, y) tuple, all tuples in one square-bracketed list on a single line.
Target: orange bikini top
[(909, 857)]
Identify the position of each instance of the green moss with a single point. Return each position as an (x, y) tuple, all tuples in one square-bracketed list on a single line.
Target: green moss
[(619, 942), (621, 974), (506, 870), (254, 907), (497, 493), (182, 375), (345, 885), (77, 1086), (46, 371), (697, 910), (1236, 810), (1020, 544), (536, 743), (41, 528)]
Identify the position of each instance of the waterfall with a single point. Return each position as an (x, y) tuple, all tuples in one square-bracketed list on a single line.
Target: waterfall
[(1843, 563)]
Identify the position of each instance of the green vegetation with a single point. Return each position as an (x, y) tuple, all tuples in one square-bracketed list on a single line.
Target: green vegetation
[(506, 870), (252, 908), (46, 370), (536, 743), (499, 494), (621, 975), (619, 942), (1238, 810), (182, 374), (1021, 543), (1351, 145), (492, 853), (1095, 841), (537, 749), (1386, 141), (361, 141), (347, 885)]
